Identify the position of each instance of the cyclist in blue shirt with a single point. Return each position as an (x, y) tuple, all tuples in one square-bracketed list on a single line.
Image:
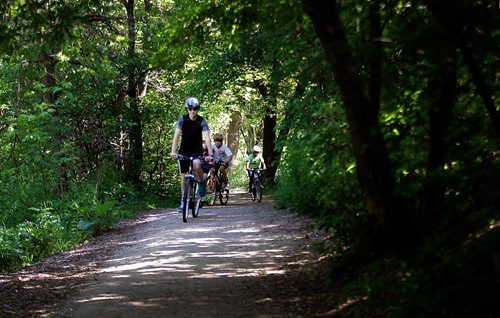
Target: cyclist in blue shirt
[(194, 130)]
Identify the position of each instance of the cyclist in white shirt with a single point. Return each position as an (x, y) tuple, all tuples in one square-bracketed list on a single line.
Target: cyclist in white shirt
[(221, 151)]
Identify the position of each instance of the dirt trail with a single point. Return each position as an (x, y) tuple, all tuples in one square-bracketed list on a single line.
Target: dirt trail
[(243, 260)]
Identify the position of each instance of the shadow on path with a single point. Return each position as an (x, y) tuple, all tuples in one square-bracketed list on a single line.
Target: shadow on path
[(231, 261)]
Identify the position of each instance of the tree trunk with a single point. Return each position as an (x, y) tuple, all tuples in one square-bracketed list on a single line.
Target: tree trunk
[(454, 17), (233, 132), (442, 92), (375, 54), (249, 137), (442, 96), (135, 130), (50, 97), (269, 145), (389, 220), (269, 139), (482, 86)]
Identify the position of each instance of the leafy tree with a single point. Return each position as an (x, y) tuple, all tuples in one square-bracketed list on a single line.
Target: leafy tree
[(372, 160)]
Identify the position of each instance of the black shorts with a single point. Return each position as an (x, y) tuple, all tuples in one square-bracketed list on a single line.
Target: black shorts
[(184, 164), (205, 166)]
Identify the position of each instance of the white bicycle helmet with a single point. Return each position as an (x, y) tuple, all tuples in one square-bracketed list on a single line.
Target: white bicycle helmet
[(192, 102), (256, 149)]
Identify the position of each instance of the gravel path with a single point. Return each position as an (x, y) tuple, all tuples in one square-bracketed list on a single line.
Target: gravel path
[(243, 260)]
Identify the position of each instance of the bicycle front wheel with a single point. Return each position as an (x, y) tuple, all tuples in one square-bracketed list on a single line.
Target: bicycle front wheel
[(186, 199), (258, 191), (213, 197), (196, 202), (223, 196)]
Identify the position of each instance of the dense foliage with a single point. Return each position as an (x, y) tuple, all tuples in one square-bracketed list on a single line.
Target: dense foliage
[(90, 93)]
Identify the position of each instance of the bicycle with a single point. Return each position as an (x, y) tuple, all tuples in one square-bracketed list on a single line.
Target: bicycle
[(190, 197), (256, 184), (214, 184)]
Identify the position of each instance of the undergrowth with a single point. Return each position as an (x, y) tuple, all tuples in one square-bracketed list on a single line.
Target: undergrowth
[(57, 225), (462, 281)]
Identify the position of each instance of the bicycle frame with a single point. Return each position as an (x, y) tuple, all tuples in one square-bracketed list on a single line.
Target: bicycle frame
[(256, 184), (216, 184), (190, 197)]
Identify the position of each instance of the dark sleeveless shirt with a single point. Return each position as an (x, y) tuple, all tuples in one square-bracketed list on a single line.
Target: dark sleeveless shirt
[(191, 143)]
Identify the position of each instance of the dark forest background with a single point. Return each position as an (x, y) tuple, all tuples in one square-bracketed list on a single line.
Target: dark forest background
[(379, 118)]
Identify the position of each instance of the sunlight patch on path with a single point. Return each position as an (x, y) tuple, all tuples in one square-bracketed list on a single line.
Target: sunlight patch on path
[(173, 269), (233, 250)]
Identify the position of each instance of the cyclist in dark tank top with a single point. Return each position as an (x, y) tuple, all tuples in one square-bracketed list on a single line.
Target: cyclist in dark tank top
[(193, 129)]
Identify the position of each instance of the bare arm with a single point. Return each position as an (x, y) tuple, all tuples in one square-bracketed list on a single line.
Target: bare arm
[(206, 136), (174, 143)]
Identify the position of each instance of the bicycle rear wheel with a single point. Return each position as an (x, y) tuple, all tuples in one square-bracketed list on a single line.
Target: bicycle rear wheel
[(258, 190)]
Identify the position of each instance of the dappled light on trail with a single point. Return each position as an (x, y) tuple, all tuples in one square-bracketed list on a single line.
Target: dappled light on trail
[(232, 251), (184, 268)]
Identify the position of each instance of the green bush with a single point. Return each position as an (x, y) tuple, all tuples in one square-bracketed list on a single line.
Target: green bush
[(58, 225), (11, 251), (317, 172)]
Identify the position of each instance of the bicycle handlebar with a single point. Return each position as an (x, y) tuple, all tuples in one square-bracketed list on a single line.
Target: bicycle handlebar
[(190, 158), (217, 160)]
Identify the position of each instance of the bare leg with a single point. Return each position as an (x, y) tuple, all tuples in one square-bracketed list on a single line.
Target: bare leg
[(182, 183), (250, 180), (202, 188), (182, 192), (198, 170)]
